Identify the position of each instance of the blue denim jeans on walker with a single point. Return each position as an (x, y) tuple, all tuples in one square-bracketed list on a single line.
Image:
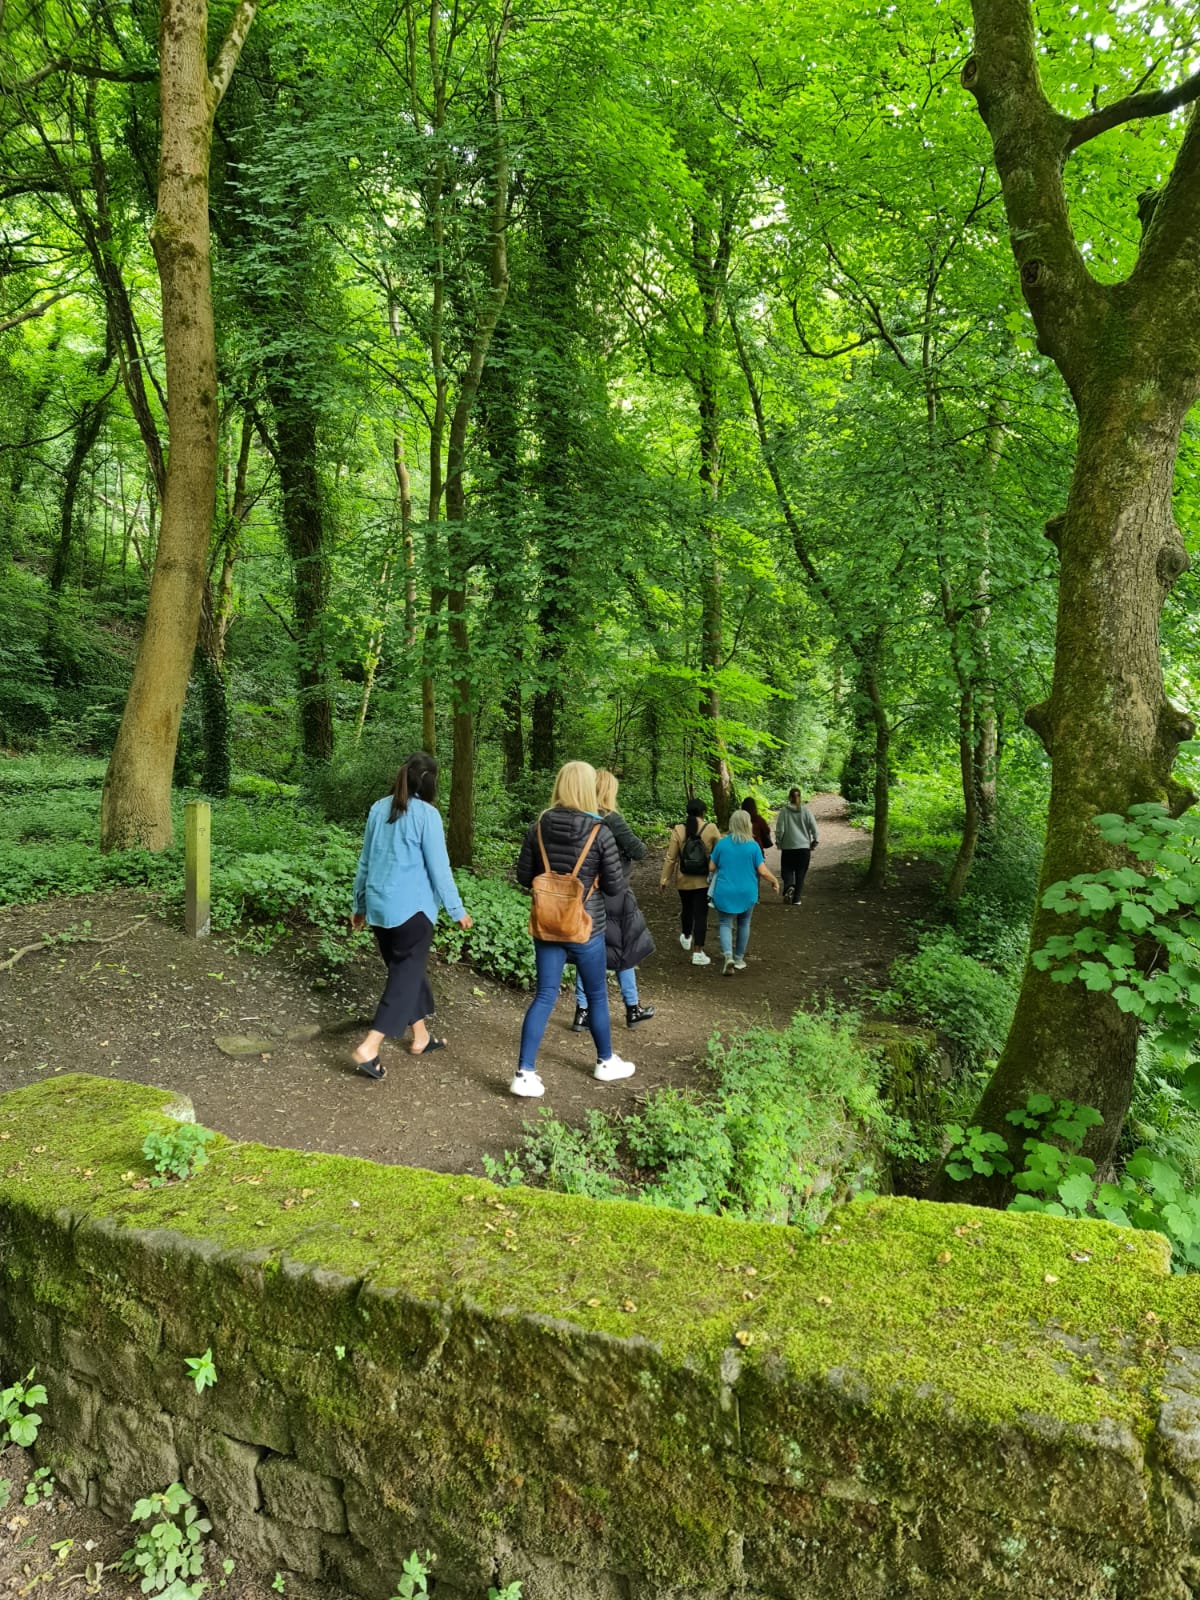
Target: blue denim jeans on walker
[(727, 919), (589, 963), (626, 982)]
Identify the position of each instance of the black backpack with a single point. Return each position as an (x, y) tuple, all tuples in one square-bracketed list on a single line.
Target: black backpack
[(693, 857)]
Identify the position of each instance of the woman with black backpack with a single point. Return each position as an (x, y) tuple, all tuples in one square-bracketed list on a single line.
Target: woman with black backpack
[(686, 866)]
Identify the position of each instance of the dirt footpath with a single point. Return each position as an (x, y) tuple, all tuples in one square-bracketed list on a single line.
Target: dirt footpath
[(151, 1004)]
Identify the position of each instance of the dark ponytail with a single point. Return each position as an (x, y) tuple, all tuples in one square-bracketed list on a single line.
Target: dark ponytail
[(695, 816), (416, 779)]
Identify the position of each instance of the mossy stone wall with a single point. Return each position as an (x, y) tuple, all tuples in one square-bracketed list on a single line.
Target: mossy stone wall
[(608, 1401)]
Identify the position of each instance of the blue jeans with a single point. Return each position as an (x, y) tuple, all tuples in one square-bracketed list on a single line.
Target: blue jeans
[(589, 964), (626, 982), (727, 919)]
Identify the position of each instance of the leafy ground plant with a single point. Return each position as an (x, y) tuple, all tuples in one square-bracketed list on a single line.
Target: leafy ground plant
[(1150, 1192), (1138, 931), (171, 1551), (414, 1576), (40, 1486), (179, 1153), (19, 1422), (794, 1123), (201, 1370)]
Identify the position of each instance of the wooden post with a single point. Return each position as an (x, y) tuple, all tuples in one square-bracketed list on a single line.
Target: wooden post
[(197, 834)]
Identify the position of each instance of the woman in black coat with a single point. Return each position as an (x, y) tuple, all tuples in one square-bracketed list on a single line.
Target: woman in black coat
[(627, 938), (570, 837)]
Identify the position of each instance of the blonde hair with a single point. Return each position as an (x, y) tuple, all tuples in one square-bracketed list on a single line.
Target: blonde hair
[(575, 787), (606, 789), (740, 826)]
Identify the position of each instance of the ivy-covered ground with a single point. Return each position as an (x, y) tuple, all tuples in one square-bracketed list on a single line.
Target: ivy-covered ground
[(153, 1006)]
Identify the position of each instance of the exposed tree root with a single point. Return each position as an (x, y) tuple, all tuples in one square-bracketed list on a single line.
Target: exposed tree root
[(52, 939)]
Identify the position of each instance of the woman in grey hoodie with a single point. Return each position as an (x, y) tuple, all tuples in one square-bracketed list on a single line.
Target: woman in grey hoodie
[(796, 836)]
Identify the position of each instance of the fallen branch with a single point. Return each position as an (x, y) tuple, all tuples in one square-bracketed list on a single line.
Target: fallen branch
[(52, 939)]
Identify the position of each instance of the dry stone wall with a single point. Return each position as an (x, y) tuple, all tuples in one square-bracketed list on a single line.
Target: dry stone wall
[(606, 1401)]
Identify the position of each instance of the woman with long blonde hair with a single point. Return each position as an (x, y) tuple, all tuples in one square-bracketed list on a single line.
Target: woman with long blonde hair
[(570, 838), (627, 938)]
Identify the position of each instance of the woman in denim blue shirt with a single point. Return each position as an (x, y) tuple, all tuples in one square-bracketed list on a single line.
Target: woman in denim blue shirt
[(403, 877)]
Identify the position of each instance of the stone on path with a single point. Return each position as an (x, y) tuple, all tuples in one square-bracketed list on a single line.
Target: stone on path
[(245, 1044)]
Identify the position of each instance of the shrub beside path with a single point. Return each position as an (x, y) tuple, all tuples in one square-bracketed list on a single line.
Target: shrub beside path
[(151, 1006)]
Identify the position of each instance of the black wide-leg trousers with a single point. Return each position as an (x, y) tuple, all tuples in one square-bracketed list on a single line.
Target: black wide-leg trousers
[(407, 997)]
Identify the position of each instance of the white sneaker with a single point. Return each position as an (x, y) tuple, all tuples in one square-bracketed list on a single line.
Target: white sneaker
[(727, 969), (699, 959), (685, 939), (739, 964), (528, 1085), (612, 1069)]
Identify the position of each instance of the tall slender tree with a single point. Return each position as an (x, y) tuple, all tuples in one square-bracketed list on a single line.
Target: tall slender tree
[(135, 806)]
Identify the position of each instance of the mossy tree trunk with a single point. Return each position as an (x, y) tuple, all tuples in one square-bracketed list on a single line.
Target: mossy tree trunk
[(135, 806), (712, 245), (1130, 354), (216, 617), (306, 533), (460, 835)]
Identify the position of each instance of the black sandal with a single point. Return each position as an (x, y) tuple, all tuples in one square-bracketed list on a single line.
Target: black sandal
[(433, 1044), (371, 1069)]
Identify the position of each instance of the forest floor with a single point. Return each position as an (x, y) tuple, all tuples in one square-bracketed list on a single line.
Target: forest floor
[(143, 1002)]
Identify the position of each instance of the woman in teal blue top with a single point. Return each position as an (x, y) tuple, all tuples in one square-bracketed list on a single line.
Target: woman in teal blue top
[(403, 877), (735, 867)]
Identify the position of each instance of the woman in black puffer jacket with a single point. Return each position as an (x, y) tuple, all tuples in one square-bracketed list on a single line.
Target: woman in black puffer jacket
[(565, 827), (628, 940)]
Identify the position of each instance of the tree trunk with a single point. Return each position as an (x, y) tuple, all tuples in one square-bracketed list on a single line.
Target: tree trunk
[(217, 770), (21, 459), (957, 881), (877, 868), (985, 755), (87, 431), (304, 530), (985, 758), (710, 268), (135, 807), (460, 835), (1130, 354), (216, 615), (1112, 737)]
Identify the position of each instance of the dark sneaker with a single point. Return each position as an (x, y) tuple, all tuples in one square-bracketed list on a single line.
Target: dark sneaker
[(636, 1014), (580, 1022)]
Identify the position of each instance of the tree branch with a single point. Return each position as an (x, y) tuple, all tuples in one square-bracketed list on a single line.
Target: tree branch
[(231, 48), (1154, 104), (36, 311), (282, 620), (1029, 143), (81, 69)]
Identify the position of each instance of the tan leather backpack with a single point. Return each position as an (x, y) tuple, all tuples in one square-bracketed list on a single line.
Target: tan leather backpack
[(558, 913)]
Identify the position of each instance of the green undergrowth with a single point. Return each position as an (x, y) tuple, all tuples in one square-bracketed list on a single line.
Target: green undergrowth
[(928, 1305), (793, 1124), (278, 868)]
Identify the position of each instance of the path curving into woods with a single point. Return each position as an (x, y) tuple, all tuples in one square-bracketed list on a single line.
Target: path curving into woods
[(151, 1006)]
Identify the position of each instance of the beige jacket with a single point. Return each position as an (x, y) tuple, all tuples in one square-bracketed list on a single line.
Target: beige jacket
[(709, 833)]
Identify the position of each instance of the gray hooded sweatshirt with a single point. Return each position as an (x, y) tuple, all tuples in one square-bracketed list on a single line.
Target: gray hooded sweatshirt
[(795, 828)]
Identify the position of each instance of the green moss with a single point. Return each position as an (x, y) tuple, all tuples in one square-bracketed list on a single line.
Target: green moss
[(926, 1304)]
